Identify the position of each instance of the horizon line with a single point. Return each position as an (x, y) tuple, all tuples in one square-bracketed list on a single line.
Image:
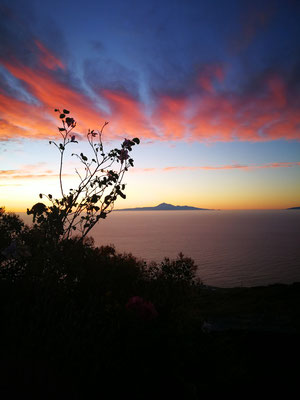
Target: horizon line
[(23, 211)]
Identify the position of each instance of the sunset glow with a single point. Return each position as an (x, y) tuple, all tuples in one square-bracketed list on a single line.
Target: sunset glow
[(218, 120)]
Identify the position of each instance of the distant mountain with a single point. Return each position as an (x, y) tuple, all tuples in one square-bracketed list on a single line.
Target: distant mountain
[(294, 208), (163, 207)]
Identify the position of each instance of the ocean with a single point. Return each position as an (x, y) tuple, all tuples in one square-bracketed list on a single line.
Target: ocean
[(231, 248)]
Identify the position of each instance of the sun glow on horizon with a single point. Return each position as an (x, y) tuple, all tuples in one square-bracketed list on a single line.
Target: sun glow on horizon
[(219, 126)]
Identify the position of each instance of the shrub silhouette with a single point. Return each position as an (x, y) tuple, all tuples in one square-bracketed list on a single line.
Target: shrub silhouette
[(98, 189), (87, 314), (183, 269)]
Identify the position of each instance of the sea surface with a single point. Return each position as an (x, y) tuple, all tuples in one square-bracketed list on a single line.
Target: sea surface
[(231, 248)]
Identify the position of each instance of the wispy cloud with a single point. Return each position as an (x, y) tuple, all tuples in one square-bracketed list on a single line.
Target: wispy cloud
[(29, 171), (21, 176), (192, 100), (7, 172), (207, 115), (48, 59), (221, 167), (25, 173)]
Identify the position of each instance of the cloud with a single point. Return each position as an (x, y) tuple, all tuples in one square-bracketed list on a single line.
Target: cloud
[(49, 91), (20, 175), (181, 100), (48, 59), (103, 73), (209, 115), (35, 121), (36, 176), (222, 167), (26, 172), (208, 74), (280, 165), (170, 119), (7, 172), (128, 115)]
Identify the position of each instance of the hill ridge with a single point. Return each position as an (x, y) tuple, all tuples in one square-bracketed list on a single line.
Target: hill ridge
[(164, 207)]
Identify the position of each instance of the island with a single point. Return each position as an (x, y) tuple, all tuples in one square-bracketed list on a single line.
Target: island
[(293, 208), (165, 207)]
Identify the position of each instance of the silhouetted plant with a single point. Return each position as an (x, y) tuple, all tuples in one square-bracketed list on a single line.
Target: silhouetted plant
[(183, 270), (99, 186), (10, 226), (13, 249)]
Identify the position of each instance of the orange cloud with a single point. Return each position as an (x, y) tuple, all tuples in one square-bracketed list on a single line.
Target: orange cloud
[(23, 120), (19, 175), (205, 116), (48, 59), (222, 167), (247, 118), (235, 166), (7, 129), (50, 93), (169, 118), (7, 172), (280, 165), (128, 115), (25, 172), (31, 120), (35, 176)]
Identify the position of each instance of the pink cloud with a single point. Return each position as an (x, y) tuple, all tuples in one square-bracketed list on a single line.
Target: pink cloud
[(34, 171), (222, 167), (208, 115), (48, 59), (169, 117), (127, 114), (210, 74)]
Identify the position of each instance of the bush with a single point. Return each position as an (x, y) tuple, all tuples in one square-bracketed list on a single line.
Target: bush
[(183, 269), (80, 316), (75, 314), (98, 189)]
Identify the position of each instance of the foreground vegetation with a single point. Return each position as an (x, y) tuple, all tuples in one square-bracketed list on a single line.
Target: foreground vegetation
[(80, 321), (77, 320)]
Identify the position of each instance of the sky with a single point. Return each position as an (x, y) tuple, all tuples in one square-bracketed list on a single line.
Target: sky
[(211, 88)]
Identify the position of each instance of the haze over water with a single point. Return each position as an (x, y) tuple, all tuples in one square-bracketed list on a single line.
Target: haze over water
[(231, 248)]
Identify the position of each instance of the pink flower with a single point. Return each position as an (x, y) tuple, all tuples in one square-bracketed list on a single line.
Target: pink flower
[(142, 308)]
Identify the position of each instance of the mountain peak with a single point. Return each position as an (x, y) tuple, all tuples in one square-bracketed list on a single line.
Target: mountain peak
[(163, 207)]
